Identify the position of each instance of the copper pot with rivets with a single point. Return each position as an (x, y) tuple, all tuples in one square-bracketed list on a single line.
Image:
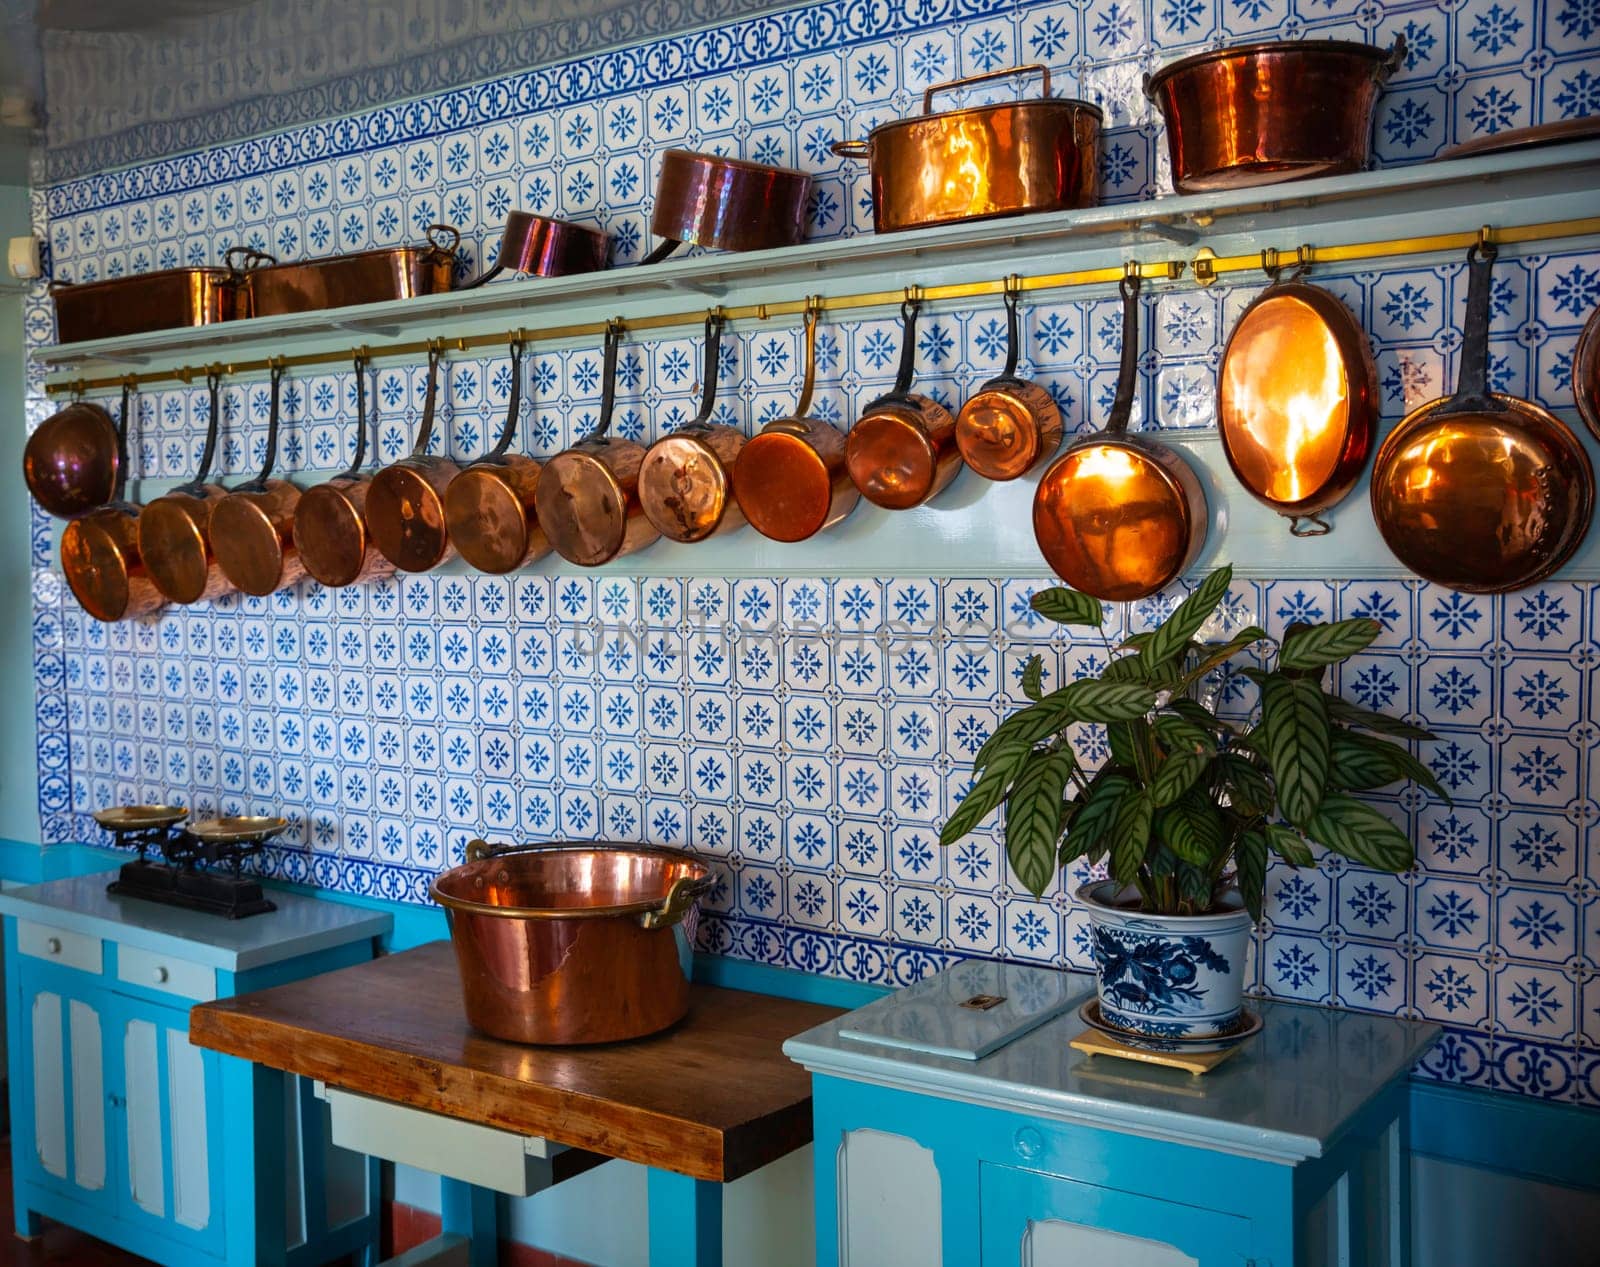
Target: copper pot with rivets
[(1009, 425), (489, 508), (588, 495), (330, 524), (252, 528), (175, 530), (72, 460), (684, 484), (902, 449), (405, 504)]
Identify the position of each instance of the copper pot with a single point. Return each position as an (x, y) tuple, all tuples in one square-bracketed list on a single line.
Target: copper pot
[(588, 495), (175, 530), (791, 479), (684, 483), (1009, 425), (330, 523), (163, 300), (405, 502), (544, 247), (252, 528), (1482, 492), (489, 508), (902, 450), (338, 281), (726, 203), (573, 943), (1270, 111), (984, 161), (73, 460), (1119, 516), (1586, 374)]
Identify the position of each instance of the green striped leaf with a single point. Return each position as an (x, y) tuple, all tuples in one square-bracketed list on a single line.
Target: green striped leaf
[(1067, 606), (1176, 775), (1130, 835), (1361, 762), (1179, 628), (1317, 645), (1359, 832), (1294, 737), (1095, 700), (1193, 830), (1214, 653), (1033, 819), (1005, 764), (1289, 845), (1249, 790), (1250, 859), (1179, 733), (1033, 677), (1092, 824), (1341, 710), (1026, 726)]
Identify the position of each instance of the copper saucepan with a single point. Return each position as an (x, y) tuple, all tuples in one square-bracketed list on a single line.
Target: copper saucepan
[(1120, 516), (726, 203), (252, 528), (588, 495), (175, 530), (543, 246), (100, 551), (902, 450), (1586, 374), (489, 508), (684, 483), (73, 460), (1009, 425), (405, 503), (791, 479), (330, 524), (1482, 492)]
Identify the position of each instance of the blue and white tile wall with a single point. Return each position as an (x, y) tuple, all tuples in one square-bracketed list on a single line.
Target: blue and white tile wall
[(810, 732)]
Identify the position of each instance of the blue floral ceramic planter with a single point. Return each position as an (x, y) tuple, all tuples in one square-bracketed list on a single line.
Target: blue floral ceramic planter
[(1167, 976)]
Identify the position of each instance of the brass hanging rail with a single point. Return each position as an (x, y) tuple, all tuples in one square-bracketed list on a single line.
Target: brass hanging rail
[(1204, 266)]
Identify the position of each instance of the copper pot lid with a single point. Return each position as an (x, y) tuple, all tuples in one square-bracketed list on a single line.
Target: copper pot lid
[(247, 533), (1009, 424), (175, 530), (73, 459), (405, 511), (330, 523), (1561, 132), (1586, 374), (99, 555), (1297, 400)]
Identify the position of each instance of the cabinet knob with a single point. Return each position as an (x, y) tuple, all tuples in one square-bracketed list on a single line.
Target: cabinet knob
[(1029, 1143), (160, 975), (53, 945)]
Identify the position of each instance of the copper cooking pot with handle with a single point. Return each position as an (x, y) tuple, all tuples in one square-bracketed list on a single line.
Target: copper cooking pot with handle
[(727, 203), (489, 508), (902, 449), (73, 460), (175, 530), (684, 483), (588, 495), (405, 502), (252, 528), (1009, 425), (543, 246)]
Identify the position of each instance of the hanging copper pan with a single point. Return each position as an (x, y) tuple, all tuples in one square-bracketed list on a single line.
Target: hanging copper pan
[(405, 504), (791, 479), (726, 203), (72, 460), (1586, 374), (588, 495), (684, 483), (175, 530), (1120, 516), (902, 450), (252, 528), (1010, 425), (1297, 399), (330, 523), (489, 508), (1482, 492), (100, 552)]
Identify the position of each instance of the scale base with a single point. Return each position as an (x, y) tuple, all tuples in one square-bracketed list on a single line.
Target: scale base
[(233, 896)]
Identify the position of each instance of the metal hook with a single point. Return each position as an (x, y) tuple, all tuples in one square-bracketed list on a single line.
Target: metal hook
[(1309, 526), (1270, 264)]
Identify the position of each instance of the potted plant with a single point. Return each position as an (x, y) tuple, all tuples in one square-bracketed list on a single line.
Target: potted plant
[(1188, 806)]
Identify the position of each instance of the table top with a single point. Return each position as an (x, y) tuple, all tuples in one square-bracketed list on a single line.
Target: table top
[(1287, 1096), (714, 1097)]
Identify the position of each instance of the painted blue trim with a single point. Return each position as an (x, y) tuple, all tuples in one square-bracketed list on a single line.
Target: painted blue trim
[(25, 863), (1508, 1134), (685, 1220), (470, 1211), (763, 978)]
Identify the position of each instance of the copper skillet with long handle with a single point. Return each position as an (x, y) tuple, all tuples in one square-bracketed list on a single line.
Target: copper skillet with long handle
[(1009, 425), (1120, 516), (175, 530), (1482, 492), (405, 503), (330, 524), (252, 528), (489, 508), (685, 486)]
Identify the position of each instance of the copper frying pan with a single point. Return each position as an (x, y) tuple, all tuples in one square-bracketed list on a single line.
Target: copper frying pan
[(1482, 492), (1010, 425), (252, 528), (72, 460), (1586, 374), (1120, 516), (405, 503), (175, 530)]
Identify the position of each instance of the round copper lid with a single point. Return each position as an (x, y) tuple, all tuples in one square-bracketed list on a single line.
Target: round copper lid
[(246, 543), (684, 487), (1000, 432), (488, 521), (172, 541), (405, 515), (891, 457), (582, 508), (96, 553), (783, 486), (331, 534)]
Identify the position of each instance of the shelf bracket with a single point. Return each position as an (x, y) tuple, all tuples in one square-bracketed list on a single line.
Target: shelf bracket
[(1168, 232)]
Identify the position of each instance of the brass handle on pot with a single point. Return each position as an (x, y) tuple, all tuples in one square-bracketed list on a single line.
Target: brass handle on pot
[(478, 850), (685, 892), (850, 149), (1394, 61), (986, 77), (443, 237)]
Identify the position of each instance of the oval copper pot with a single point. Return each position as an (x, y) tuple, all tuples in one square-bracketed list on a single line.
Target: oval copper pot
[(252, 528), (902, 449), (1586, 374), (588, 495), (330, 523), (489, 508), (1009, 425), (175, 530), (405, 504), (542, 246), (73, 460), (726, 203), (684, 483)]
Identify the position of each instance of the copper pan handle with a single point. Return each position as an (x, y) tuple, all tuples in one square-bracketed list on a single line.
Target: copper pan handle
[(1393, 62), (430, 401), (196, 486), (684, 893), (988, 76), (259, 484), (715, 320), (850, 149), (608, 388), (1128, 369), (802, 407), (519, 346)]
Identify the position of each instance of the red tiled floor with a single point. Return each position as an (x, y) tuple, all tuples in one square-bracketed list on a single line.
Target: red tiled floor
[(58, 1246)]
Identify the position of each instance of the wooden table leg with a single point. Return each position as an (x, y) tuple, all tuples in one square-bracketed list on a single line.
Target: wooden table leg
[(685, 1221)]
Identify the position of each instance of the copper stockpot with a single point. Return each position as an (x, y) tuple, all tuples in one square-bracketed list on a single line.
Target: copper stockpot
[(726, 203), (1120, 516), (338, 281), (252, 528), (588, 495), (544, 247), (330, 523), (1586, 374), (1274, 110), (142, 302), (1009, 425), (902, 449), (1482, 492), (73, 460), (684, 483), (489, 507), (573, 943), (175, 530), (984, 161), (405, 502)]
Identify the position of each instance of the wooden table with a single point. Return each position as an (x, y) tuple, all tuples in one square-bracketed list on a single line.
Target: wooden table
[(707, 1101)]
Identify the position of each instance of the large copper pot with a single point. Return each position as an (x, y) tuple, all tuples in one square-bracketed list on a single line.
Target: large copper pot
[(405, 503), (1009, 425), (361, 277), (252, 528), (573, 943), (1274, 110), (726, 203), (175, 530), (1003, 159), (72, 460), (543, 246), (141, 302)]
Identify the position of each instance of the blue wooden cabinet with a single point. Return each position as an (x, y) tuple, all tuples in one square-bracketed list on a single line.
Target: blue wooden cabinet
[(123, 1128)]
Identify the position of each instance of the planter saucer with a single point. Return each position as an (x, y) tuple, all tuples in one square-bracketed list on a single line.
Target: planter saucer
[(1248, 1025)]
